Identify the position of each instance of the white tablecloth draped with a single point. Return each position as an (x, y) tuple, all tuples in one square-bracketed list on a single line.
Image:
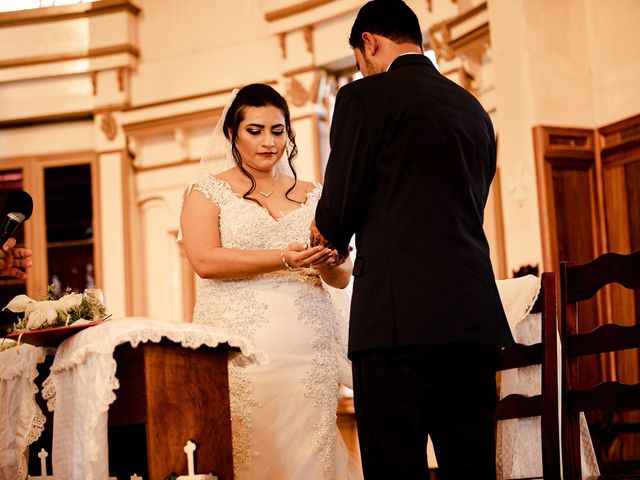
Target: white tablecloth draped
[(517, 296), (82, 383), (518, 443), (21, 420)]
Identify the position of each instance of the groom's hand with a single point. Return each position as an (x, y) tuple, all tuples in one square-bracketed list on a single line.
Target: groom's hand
[(316, 238)]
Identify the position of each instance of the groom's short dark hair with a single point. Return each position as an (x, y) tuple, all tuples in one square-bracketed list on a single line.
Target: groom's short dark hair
[(392, 19)]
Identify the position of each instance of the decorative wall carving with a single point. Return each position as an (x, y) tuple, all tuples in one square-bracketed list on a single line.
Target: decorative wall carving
[(297, 93), (307, 31), (464, 41), (122, 72), (282, 41), (108, 126), (518, 187), (94, 82)]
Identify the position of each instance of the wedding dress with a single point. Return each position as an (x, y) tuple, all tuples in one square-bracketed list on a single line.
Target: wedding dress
[(283, 414)]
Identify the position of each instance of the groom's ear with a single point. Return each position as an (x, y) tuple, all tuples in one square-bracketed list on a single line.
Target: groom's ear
[(370, 43)]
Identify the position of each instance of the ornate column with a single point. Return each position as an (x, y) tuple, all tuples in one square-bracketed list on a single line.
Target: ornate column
[(111, 96)]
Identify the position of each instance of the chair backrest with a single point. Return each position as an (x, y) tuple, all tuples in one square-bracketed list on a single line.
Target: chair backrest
[(546, 404), (579, 283)]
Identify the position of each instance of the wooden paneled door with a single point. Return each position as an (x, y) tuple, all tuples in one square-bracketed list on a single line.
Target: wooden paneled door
[(589, 196), (63, 231)]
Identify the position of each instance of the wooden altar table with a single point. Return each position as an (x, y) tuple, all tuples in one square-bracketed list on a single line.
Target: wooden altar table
[(177, 394)]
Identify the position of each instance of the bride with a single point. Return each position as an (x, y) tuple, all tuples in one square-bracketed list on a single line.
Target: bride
[(245, 231)]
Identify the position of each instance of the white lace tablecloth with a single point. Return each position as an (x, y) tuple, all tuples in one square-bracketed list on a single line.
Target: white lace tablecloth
[(21, 420), (518, 443), (83, 379), (517, 296)]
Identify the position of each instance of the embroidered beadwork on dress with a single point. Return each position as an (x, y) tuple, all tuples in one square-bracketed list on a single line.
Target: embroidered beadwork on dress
[(227, 305), (246, 225), (241, 399), (321, 381)]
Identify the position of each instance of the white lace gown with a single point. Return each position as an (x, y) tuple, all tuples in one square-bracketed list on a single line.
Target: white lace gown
[(284, 413)]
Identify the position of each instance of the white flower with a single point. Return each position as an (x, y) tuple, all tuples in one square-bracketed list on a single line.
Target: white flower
[(80, 321), (18, 303), (70, 301), (30, 308), (50, 313), (38, 313), (36, 319)]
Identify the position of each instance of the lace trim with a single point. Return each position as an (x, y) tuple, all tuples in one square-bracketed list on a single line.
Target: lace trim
[(49, 393), (241, 398), (214, 189), (590, 468), (37, 422), (235, 309), (18, 371), (518, 295), (531, 300), (321, 381), (246, 225), (155, 334)]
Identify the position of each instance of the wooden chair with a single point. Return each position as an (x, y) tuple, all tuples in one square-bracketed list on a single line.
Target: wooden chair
[(577, 284), (546, 404)]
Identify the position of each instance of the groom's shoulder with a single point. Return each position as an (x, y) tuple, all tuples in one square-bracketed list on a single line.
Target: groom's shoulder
[(379, 80), (364, 88)]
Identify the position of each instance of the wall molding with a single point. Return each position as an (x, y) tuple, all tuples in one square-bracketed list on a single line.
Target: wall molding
[(620, 136), (196, 96), (300, 7), (63, 57), (46, 119), (66, 12)]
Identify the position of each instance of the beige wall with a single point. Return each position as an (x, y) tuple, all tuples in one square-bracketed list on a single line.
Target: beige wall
[(568, 63), (613, 40), (198, 46)]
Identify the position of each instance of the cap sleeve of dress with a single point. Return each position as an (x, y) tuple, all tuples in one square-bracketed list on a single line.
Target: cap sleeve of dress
[(214, 189)]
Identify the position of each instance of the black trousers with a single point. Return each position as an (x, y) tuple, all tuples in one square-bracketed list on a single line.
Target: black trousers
[(404, 394)]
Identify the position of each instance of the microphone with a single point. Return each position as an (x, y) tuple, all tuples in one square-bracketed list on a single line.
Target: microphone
[(17, 208)]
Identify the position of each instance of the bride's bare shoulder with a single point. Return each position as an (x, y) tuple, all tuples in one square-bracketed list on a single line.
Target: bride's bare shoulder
[(302, 187), (227, 175)]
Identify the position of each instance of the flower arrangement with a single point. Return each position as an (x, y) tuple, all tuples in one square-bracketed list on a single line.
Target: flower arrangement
[(66, 310)]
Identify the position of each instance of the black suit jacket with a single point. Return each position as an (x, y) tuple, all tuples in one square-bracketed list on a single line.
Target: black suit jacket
[(412, 158)]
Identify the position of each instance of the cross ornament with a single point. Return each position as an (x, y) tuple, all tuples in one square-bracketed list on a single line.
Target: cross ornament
[(42, 455), (190, 449), (44, 475)]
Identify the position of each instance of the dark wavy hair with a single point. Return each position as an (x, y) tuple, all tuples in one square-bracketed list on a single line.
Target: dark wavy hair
[(258, 95), (392, 19)]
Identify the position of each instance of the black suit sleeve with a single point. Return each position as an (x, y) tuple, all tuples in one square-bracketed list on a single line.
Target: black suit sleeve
[(348, 176)]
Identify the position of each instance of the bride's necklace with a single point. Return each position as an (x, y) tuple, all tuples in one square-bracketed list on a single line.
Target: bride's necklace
[(268, 194)]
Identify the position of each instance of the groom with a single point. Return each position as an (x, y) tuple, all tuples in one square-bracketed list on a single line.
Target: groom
[(412, 158)]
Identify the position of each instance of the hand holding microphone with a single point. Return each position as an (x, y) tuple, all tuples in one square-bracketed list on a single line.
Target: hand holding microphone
[(17, 208)]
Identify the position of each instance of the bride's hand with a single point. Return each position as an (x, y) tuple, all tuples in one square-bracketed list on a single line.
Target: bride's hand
[(298, 255), (330, 260)]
